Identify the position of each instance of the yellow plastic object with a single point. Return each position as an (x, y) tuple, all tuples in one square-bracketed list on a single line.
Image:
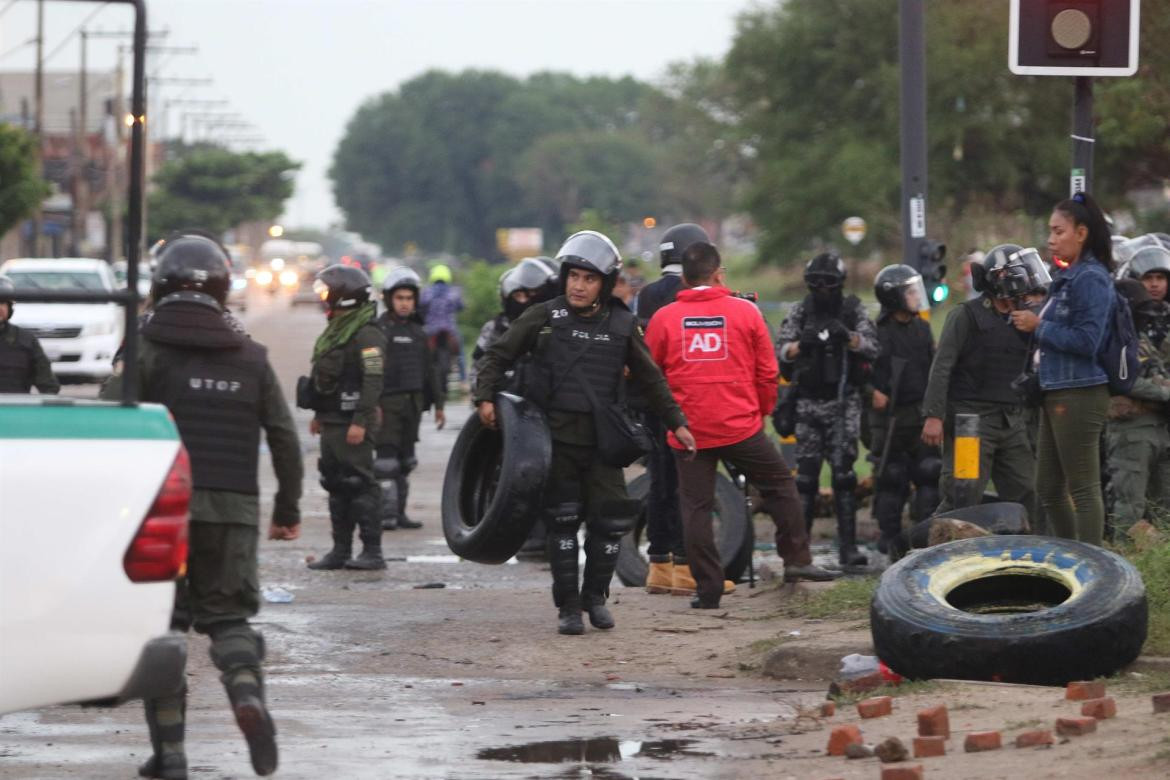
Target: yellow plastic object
[(966, 457)]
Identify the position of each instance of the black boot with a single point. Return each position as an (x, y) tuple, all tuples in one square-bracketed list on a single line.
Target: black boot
[(601, 556), (237, 650), (166, 721), (569, 618), (599, 614), (887, 510), (808, 507), (364, 512), (342, 535), (403, 491), (847, 552), (562, 522)]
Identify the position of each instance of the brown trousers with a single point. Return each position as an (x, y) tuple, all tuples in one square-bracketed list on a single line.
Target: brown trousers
[(758, 458)]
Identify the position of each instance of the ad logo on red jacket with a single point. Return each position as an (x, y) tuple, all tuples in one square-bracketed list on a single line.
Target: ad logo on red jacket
[(704, 338)]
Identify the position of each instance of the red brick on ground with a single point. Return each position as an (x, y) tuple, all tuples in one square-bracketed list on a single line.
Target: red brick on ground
[(1101, 709), (1034, 738), (902, 772), (875, 707), (1161, 702), (828, 709), (1079, 691), (930, 746), (841, 736), (982, 740), (1075, 727), (934, 722)]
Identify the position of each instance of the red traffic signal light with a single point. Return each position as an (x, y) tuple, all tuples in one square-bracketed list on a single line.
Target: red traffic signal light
[(1074, 37)]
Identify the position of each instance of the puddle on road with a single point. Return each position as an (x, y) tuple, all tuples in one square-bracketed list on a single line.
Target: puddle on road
[(599, 750)]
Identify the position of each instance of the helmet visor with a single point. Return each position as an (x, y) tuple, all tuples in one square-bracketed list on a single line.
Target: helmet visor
[(1149, 260), (818, 281), (591, 249), (320, 289), (1035, 270), (912, 295)]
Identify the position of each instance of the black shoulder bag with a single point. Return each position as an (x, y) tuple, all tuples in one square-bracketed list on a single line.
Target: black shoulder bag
[(621, 439)]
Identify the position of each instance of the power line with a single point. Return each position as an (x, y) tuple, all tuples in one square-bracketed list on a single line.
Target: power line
[(76, 30), (4, 10), (18, 47)]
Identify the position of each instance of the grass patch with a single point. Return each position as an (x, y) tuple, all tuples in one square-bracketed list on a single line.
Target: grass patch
[(908, 688), (1023, 724), (1151, 557), (1141, 682), (847, 599)]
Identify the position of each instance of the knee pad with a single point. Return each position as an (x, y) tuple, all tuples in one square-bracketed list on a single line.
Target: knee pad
[(563, 518), (386, 468), (408, 464), (894, 475), (615, 518), (845, 481), (329, 477), (808, 476), (927, 470)]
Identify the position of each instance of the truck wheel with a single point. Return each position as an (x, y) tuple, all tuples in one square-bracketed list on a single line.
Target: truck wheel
[(494, 485), (733, 533), (1021, 609)]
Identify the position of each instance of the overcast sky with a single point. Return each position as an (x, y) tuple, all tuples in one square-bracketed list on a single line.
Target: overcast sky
[(298, 69)]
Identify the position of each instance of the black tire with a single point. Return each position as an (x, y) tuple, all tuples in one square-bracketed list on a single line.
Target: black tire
[(1041, 610), (494, 485), (733, 533)]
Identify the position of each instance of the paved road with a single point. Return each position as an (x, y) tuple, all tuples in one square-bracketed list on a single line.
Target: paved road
[(371, 676)]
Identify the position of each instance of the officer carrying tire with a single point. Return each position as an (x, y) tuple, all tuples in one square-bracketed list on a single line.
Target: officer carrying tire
[(343, 389), (409, 389), (895, 418), (23, 364), (824, 346), (221, 390), (581, 344)]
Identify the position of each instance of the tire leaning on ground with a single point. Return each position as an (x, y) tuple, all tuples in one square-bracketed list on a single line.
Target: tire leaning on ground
[(494, 485), (1022, 609), (733, 533)]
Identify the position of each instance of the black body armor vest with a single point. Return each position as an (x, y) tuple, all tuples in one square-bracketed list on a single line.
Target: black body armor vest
[(559, 367), (406, 356), (16, 362), (911, 341), (656, 295), (990, 360), (820, 369), (214, 394)]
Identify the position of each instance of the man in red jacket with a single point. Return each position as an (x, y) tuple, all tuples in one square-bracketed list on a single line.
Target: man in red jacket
[(716, 352)]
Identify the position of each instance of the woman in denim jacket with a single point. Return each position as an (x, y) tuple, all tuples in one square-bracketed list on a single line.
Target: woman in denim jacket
[(1069, 333)]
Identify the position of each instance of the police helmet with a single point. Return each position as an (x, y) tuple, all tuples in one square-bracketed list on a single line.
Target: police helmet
[(1126, 250), (401, 277), (590, 251), (983, 274), (343, 287), (529, 274), (191, 261), (825, 270), (676, 239), (1148, 260), (900, 288)]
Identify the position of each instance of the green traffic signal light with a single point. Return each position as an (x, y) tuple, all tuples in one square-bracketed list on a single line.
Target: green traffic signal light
[(940, 293)]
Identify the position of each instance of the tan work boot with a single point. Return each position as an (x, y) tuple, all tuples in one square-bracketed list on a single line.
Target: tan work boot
[(683, 584), (660, 577)]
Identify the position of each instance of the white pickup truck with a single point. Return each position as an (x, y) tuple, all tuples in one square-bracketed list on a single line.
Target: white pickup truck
[(93, 518)]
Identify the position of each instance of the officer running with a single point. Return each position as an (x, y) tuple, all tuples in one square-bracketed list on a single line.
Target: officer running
[(895, 420), (408, 390), (582, 336), (221, 390), (23, 364), (979, 355), (344, 388), (1137, 438), (823, 346)]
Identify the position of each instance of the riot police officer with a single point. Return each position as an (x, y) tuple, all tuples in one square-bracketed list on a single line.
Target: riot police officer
[(343, 389), (895, 418), (221, 390), (528, 282), (582, 337), (669, 569), (408, 390), (979, 355), (824, 346), (23, 364)]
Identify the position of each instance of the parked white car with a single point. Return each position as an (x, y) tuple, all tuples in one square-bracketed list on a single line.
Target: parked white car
[(87, 573), (79, 339)]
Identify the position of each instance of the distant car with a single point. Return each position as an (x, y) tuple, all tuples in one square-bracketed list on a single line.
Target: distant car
[(79, 339), (237, 299), (145, 275)]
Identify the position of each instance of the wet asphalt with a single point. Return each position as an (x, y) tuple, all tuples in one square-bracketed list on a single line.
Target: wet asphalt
[(435, 668)]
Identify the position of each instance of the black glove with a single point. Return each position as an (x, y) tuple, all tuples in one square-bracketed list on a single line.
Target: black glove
[(809, 338), (838, 331)]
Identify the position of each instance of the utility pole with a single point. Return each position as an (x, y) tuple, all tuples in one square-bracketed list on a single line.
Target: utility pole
[(81, 181), (912, 57), (1081, 175), (39, 122)]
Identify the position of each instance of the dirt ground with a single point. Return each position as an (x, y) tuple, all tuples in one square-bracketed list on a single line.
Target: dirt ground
[(371, 675)]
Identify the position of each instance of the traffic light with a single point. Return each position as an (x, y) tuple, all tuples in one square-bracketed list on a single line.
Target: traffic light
[(934, 270), (1074, 37)]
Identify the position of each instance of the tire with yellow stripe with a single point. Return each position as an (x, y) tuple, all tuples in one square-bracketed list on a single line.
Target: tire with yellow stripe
[(1023, 609)]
